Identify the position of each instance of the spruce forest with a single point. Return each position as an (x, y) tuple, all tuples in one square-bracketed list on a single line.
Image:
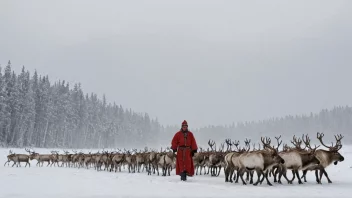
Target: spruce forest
[(35, 112)]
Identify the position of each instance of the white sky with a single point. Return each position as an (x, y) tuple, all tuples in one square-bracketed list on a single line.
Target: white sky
[(210, 62)]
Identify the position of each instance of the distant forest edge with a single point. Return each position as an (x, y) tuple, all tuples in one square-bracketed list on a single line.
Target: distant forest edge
[(37, 113)]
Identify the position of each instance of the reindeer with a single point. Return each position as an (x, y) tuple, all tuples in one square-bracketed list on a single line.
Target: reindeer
[(230, 165), (199, 161), (117, 160), (54, 158), (40, 158), (297, 159), (153, 162), (260, 161), (65, 159), (215, 159), (17, 159), (233, 162), (278, 166), (165, 161), (131, 161), (10, 157), (326, 157), (140, 160)]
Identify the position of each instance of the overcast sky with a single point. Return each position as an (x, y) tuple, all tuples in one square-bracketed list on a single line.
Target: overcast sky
[(209, 62)]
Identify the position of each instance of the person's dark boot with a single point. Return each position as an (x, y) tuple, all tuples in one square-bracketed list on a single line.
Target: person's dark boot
[(184, 173), (183, 176)]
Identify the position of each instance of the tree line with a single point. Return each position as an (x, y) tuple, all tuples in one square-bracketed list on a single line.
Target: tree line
[(37, 113), (337, 120)]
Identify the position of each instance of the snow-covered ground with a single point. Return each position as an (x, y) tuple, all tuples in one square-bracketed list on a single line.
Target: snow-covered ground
[(54, 182)]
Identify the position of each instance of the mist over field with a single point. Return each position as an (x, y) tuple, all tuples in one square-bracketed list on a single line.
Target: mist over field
[(36, 112)]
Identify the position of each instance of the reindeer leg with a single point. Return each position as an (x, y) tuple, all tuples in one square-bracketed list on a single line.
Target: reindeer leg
[(277, 171), (275, 174), (261, 180), (251, 177), (304, 175), (247, 176), (317, 177), (284, 173), (219, 171), (259, 175), (326, 175), (299, 179), (230, 174), (293, 175), (237, 176), (231, 171), (241, 173), (267, 179), (226, 172)]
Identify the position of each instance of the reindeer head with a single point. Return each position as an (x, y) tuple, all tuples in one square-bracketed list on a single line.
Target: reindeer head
[(273, 151), (334, 149)]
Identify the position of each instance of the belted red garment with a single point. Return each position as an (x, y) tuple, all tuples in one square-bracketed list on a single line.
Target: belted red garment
[(184, 143)]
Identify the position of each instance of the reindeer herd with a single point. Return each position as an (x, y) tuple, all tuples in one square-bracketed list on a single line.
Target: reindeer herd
[(266, 159)]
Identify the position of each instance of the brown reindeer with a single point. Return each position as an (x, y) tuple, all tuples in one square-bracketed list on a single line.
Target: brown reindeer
[(41, 158), (260, 161), (166, 161), (117, 160), (17, 159), (297, 159), (326, 157), (199, 161), (216, 159)]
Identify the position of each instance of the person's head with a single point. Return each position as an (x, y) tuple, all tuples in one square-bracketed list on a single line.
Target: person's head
[(184, 126)]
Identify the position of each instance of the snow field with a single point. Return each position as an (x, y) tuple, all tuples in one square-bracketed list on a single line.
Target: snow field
[(57, 182)]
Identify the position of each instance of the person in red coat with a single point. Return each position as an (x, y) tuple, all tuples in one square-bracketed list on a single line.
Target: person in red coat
[(185, 145)]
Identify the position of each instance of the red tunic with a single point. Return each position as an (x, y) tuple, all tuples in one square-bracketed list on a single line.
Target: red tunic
[(184, 161)]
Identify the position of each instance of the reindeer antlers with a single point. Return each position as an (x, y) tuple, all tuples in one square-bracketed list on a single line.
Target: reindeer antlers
[(211, 144), (297, 143), (306, 141), (266, 143), (336, 147), (279, 142), (229, 144), (338, 138), (247, 143), (29, 150)]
